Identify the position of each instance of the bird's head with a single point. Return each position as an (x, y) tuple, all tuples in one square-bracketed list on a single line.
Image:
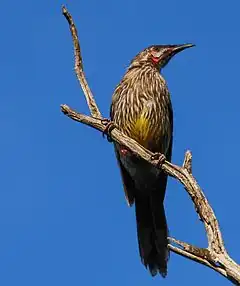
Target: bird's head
[(158, 55)]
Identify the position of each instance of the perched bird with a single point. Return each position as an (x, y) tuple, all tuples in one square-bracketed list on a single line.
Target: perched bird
[(141, 108)]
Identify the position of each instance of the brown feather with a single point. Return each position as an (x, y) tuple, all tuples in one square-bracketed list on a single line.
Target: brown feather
[(128, 183)]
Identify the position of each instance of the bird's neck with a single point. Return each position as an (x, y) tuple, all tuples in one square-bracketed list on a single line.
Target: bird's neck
[(140, 70), (141, 65)]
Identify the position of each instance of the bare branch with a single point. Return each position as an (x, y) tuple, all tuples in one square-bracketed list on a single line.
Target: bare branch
[(187, 163), (197, 259), (215, 255), (79, 66)]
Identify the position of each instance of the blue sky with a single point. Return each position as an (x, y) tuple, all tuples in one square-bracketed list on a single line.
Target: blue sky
[(63, 217)]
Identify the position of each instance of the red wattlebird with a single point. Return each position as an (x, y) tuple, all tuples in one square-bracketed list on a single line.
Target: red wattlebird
[(141, 108)]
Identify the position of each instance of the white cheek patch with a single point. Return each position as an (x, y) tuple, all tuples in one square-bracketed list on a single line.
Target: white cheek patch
[(156, 54)]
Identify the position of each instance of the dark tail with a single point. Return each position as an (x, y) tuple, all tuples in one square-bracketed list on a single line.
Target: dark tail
[(152, 234)]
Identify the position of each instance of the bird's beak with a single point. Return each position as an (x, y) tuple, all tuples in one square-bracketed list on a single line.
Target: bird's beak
[(178, 48), (167, 52)]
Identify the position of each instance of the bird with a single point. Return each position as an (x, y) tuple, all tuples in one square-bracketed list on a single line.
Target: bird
[(141, 108)]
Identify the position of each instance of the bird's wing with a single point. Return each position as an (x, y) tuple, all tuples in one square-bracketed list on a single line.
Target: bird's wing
[(162, 176), (128, 183), (169, 152)]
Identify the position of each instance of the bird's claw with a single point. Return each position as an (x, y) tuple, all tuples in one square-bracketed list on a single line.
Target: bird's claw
[(160, 158), (108, 129)]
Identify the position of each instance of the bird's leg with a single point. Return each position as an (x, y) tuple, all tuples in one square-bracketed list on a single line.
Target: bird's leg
[(108, 129), (160, 158)]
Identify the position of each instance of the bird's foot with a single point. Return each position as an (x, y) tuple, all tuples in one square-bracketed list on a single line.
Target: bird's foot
[(160, 159), (108, 129)]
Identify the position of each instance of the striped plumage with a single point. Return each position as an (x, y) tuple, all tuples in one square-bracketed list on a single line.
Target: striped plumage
[(141, 108), (140, 103)]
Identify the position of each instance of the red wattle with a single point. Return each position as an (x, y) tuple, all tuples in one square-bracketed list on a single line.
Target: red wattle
[(155, 60)]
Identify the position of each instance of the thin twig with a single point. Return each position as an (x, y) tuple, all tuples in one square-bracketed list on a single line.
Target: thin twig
[(197, 259), (79, 66), (187, 163)]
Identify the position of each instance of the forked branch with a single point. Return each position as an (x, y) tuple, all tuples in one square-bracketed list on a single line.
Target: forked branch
[(215, 255)]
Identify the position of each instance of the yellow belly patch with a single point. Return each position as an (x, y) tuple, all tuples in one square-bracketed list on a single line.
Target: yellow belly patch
[(141, 131)]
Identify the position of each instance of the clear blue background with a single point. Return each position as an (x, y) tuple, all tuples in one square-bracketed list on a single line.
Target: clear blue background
[(63, 216)]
